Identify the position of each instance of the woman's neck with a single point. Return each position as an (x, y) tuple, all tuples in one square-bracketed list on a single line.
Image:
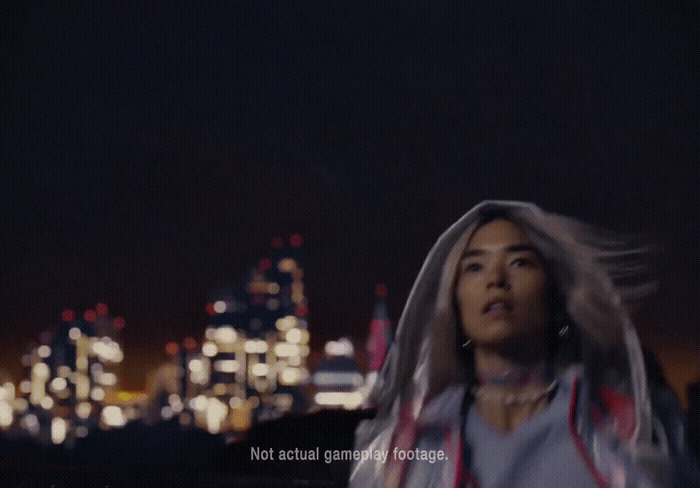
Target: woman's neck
[(494, 366), (513, 387)]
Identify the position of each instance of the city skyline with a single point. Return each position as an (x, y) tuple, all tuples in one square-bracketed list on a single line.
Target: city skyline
[(150, 154)]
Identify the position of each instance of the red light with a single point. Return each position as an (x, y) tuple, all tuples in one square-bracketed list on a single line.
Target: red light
[(277, 243), (67, 315), (118, 322), (264, 264), (210, 309), (101, 309), (190, 343), (90, 315), (172, 348), (301, 311), (296, 240), (380, 290)]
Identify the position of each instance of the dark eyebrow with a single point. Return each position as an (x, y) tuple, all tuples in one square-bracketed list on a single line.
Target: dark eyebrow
[(513, 248)]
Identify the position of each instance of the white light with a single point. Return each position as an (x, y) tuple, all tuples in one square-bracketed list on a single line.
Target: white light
[(59, 427), (81, 431), (220, 306), (286, 323), (273, 288), (354, 400), (210, 333), (83, 409), (174, 398), (209, 349), (216, 412), (58, 384), (195, 365), (166, 412), (235, 402), (41, 370), (342, 347), (338, 398), (113, 416), (31, 423), (44, 351), (7, 391), (304, 336), (5, 414), (81, 363), (108, 379), (293, 336), (226, 365), (337, 378), (290, 376), (176, 405), (284, 350), (225, 334), (260, 369), (25, 386), (97, 394), (46, 403), (255, 346), (74, 333), (199, 403)]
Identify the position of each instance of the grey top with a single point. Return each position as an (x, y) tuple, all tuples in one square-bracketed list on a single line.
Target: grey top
[(540, 453)]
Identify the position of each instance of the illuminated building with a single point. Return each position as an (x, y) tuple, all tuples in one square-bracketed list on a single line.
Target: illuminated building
[(251, 365), (68, 377), (380, 337), (338, 381)]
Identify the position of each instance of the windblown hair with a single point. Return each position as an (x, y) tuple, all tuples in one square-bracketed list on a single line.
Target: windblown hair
[(594, 281), (596, 276)]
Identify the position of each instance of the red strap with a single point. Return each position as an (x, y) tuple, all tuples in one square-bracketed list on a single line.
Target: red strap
[(578, 441)]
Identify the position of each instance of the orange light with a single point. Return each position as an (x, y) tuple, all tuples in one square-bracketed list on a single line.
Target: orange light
[(190, 343), (172, 348)]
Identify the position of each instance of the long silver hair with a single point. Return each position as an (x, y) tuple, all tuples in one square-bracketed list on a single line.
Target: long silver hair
[(597, 276)]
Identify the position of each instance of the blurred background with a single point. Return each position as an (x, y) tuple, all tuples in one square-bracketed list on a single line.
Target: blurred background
[(213, 213)]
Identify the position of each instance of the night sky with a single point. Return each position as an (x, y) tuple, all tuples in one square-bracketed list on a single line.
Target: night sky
[(151, 151)]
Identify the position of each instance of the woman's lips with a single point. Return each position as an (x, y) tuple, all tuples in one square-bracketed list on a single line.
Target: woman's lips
[(498, 306)]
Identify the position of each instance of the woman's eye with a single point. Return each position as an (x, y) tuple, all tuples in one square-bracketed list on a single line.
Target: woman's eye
[(521, 262), (472, 267)]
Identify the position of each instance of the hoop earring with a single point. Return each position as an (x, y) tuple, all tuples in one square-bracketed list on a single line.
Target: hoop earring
[(467, 344)]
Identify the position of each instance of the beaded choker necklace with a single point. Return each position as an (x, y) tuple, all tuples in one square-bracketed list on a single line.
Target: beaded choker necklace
[(516, 375), (509, 398)]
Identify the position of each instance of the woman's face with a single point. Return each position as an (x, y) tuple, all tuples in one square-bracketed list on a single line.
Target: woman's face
[(502, 287)]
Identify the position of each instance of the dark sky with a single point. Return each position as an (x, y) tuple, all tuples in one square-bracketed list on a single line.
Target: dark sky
[(151, 150)]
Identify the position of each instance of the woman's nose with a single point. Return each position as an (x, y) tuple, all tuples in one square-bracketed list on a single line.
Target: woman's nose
[(498, 277)]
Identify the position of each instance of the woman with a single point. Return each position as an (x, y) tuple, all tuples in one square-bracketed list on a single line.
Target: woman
[(515, 364)]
